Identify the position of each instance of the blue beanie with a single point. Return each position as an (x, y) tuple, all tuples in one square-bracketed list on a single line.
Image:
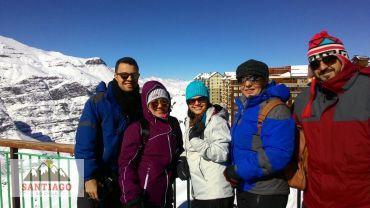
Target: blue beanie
[(196, 88)]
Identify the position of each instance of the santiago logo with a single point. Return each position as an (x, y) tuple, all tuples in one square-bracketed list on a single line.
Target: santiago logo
[(47, 177)]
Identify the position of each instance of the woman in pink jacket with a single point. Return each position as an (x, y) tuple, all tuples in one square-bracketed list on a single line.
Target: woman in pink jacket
[(147, 164)]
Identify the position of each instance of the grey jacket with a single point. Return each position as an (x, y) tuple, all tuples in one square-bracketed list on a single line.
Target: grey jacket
[(207, 158)]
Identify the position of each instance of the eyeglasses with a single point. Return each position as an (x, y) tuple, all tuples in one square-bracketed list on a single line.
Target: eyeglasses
[(199, 100), (249, 78), (328, 60), (155, 103), (125, 75)]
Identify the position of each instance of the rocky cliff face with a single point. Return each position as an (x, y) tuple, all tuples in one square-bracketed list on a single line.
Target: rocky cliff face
[(44, 108), (42, 93)]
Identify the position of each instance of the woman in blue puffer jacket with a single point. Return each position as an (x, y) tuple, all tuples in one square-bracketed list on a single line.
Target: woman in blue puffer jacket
[(259, 158)]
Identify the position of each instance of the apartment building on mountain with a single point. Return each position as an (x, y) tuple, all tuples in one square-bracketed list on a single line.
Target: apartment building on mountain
[(223, 88), (214, 82)]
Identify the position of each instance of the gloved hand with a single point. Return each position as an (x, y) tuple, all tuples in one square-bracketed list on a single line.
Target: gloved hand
[(232, 177), (183, 169), (197, 130), (135, 203)]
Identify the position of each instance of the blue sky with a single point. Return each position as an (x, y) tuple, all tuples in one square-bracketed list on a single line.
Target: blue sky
[(180, 38)]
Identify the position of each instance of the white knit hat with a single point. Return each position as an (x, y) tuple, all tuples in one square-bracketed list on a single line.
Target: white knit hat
[(157, 93)]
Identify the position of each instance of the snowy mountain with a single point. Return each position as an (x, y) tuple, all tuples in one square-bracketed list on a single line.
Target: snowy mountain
[(42, 93), (46, 173)]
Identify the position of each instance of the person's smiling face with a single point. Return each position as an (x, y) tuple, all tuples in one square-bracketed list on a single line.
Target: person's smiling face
[(326, 68), (198, 104), (159, 107), (127, 77)]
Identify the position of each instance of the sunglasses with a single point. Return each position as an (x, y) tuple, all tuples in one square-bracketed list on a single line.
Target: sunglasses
[(249, 78), (125, 75), (328, 60), (155, 103), (199, 100)]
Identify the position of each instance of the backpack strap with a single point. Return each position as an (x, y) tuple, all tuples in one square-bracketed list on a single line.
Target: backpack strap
[(144, 130), (175, 128), (218, 108), (270, 104), (172, 121)]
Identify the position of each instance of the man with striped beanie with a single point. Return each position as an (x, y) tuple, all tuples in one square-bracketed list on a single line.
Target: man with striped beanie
[(322, 44), (335, 117)]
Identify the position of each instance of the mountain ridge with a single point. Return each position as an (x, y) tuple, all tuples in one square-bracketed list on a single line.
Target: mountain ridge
[(42, 93)]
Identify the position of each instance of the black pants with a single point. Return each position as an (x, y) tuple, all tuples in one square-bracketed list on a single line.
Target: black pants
[(213, 203), (249, 200), (107, 200), (149, 205), (146, 205)]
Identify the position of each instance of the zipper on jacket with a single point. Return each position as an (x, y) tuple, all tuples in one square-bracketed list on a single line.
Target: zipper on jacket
[(165, 196), (146, 179), (169, 145), (200, 169)]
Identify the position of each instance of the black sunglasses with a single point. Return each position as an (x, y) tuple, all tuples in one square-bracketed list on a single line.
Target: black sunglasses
[(250, 78), (328, 60), (155, 103), (199, 100), (125, 75)]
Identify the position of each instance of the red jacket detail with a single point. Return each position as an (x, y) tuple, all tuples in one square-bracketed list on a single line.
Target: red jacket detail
[(338, 140)]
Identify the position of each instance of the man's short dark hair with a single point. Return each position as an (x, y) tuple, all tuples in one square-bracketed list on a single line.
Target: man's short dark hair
[(126, 60)]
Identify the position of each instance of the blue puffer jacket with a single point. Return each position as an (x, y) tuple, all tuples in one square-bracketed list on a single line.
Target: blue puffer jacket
[(259, 160), (99, 133)]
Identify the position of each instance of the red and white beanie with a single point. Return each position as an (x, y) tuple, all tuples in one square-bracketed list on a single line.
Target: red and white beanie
[(322, 44)]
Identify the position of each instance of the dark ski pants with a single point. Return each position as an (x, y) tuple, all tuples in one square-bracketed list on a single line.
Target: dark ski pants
[(249, 200), (153, 206), (213, 203)]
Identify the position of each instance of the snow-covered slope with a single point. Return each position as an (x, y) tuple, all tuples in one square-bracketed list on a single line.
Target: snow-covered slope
[(19, 62), (42, 93)]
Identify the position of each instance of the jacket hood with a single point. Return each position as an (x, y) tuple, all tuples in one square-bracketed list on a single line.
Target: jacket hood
[(221, 111), (146, 89), (281, 91), (101, 87)]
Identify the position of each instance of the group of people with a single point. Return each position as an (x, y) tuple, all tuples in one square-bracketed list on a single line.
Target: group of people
[(133, 149)]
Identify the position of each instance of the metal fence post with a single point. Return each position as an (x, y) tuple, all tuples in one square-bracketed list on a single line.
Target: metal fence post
[(14, 167), (174, 193)]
